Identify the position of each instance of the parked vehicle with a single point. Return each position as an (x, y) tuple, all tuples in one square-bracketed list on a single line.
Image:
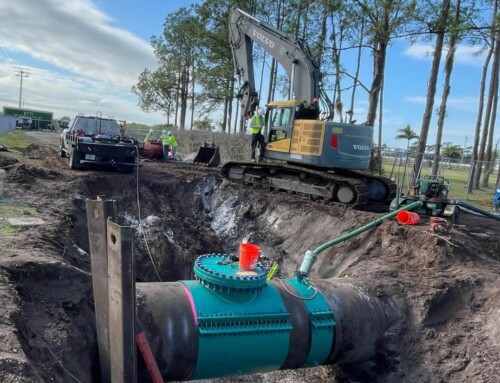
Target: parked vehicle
[(93, 140), (24, 122)]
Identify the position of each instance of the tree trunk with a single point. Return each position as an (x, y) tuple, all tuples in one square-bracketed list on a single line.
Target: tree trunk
[(184, 96), (487, 117), (272, 71), (227, 101), (177, 95), (230, 106), (336, 38), (358, 66), (322, 35), (477, 132), (193, 83), (378, 76), (380, 119), (494, 79), (448, 69), (299, 14), (431, 92)]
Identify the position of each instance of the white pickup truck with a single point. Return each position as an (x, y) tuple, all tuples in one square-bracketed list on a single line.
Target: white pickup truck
[(96, 141)]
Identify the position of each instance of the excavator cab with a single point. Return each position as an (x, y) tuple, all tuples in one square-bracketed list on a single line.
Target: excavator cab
[(279, 124)]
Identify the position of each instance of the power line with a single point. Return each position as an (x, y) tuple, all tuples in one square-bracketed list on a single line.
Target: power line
[(21, 72)]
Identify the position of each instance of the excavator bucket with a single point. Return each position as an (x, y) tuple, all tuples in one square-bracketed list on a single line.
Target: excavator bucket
[(208, 155)]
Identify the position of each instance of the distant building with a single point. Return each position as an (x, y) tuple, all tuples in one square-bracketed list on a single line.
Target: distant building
[(31, 119)]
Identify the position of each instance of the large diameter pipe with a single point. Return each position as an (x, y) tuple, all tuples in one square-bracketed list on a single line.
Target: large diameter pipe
[(361, 319), (326, 322)]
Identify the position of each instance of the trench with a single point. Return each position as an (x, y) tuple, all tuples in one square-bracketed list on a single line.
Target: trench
[(181, 219)]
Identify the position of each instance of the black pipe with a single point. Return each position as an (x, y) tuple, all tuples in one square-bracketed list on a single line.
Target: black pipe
[(167, 318), (362, 318), (166, 311)]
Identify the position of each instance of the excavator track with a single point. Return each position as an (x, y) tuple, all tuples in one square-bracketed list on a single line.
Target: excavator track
[(382, 189), (347, 187)]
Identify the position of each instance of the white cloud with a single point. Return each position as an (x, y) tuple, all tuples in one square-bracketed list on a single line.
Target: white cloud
[(465, 54), (419, 51), (463, 104), (95, 62), (416, 99)]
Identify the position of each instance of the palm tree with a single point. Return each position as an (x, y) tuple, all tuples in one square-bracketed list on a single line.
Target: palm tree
[(406, 133)]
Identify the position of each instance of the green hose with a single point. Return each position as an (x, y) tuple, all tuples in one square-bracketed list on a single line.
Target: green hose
[(311, 256)]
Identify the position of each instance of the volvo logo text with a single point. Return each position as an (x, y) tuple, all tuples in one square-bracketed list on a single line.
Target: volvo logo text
[(264, 39), (360, 147)]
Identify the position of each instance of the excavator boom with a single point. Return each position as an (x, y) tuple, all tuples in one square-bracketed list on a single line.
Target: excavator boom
[(293, 55)]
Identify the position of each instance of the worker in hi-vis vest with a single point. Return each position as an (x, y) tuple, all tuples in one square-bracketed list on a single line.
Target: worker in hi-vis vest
[(165, 143), (149, 136), (173, 144), (256, 125)]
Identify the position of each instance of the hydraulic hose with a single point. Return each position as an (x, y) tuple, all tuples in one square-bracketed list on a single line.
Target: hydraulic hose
[(477, 210), (311, 256)]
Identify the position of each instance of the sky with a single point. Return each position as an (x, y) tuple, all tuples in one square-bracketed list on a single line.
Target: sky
[(83, 56)]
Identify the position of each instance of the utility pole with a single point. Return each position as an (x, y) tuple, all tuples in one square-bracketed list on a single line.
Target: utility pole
[(21, 72)]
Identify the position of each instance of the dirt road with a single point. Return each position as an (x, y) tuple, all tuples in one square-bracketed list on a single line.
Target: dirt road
[(447, 287)]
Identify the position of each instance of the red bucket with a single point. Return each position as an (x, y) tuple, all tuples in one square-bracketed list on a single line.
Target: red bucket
[(249, 255), (408, 218)]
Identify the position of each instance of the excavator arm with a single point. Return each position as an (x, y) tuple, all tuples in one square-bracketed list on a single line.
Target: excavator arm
[(292, 54)]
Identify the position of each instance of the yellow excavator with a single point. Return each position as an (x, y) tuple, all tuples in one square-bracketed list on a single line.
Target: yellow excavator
[(306, 152)]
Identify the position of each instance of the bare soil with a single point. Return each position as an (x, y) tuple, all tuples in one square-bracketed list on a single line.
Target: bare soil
[(446, 286)]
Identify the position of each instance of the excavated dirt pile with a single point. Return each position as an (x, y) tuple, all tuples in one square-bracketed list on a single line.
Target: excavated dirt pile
[(446, 287)]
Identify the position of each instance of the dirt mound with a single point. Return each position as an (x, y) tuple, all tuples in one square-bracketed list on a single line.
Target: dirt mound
[(7, 162), (46, 156), (36, 151), (25, 174)]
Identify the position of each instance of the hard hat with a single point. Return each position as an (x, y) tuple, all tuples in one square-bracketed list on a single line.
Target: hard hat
[(262, 111), (169, 132), (151, 131), (164, 131)]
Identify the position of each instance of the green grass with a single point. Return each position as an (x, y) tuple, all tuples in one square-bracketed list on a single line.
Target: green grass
[(12, 211), (458, 178), (15, 140)]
